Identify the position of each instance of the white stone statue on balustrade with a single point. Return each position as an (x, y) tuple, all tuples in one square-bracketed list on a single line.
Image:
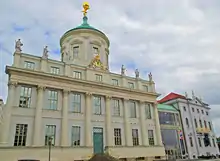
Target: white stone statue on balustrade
[(45, 53), (150, 77), (137, 74), (18, 46), (123, 69)]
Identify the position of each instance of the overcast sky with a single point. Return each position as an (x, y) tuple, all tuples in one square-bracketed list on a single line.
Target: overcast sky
[(177, 40)]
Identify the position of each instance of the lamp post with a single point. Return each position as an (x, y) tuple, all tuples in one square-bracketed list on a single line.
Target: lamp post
[(50, 143)]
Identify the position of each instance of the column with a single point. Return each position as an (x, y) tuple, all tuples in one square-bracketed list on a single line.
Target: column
[(127, 131), (144, 133), (88, 125), (108, 127), (7, 113), (64, 126), (157, 123), (38, 116)]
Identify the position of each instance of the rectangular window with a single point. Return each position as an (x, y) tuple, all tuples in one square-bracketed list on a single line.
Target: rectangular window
[(116, 107), (98, 78), (200, 143), (133, 113), (151, 137), (187, 122), (196, 125), (95, 50), (76, 103), (29, 65), (135, 138), (148, 111), (145, 87), (97, 110), (202, 112), (50, 134), (205, 124), (207, 113), (55, 70), (200, 123), (191, 141), (114, 82), (131, 85), (193, 109), (52, 100), (77, 75), (117, 136), (76, 51), (75, 136), (210, 126), (25, 97), (184, 108), (20, 135), (197, 110)]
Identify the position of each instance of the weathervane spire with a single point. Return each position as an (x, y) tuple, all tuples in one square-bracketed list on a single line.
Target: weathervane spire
[(85, 8)]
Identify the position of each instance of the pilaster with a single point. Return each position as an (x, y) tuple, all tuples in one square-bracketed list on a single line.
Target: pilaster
[(109, 140), (64, 126), (7, 113), (38, 116), (128, 138), (67, 70), (88, 113), (144, 133), (44, 63), (16, 61), (157, 123)]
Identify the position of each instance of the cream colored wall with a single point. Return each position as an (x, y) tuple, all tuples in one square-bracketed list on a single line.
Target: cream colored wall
[(87, 73), (40, 77)]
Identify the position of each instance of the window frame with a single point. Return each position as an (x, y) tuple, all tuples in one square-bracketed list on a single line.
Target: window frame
[(76, 137), (52, 99), (117, 137), (20, 137), (97, 106), (29, 65), (76, 100), (135, 137), (25, 93), (50, 132)]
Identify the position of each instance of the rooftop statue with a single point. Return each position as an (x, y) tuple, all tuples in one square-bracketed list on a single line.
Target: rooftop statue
[(150, 77), (123, 69), (45, 53), (137, 74), (85, 8), (18, 46)]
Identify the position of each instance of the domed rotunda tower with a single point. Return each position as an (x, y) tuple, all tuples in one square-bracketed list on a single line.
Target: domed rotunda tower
[(85, 45)]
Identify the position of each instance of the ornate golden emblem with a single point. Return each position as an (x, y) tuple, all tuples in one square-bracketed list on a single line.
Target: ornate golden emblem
[(96, 63)]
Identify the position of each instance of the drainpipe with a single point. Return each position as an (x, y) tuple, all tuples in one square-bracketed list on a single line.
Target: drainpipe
[(183, 130)]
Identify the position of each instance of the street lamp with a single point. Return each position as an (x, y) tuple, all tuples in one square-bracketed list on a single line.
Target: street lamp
[(50, 143)]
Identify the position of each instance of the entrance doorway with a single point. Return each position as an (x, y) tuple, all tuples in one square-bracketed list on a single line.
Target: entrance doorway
[(98, 140)]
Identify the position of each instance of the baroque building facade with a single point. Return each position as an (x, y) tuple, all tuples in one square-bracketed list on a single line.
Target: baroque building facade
[(197, 125), (78, 104)]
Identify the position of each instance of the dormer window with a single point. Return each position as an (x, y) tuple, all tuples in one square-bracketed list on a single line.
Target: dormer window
[(76, 51)]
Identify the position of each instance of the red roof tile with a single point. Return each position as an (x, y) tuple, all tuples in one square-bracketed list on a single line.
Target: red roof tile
[(171, 96)]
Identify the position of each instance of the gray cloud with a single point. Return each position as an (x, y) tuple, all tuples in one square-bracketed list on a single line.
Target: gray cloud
[(178, 41)]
